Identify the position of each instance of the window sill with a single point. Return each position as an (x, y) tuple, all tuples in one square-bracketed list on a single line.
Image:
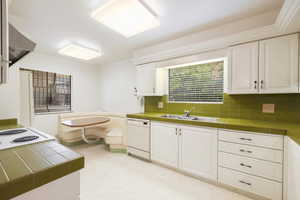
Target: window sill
[(187, 102), (53, 113)]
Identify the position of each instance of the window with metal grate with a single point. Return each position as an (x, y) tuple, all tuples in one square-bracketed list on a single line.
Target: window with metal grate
[(198, 83), (51, 91)]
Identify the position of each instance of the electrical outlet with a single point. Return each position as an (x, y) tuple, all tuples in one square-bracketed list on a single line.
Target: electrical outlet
[(160, 105), (268, 108)]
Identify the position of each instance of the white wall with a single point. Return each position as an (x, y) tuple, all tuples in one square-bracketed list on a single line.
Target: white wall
[(9, 98), (117, 81), (85, 93)]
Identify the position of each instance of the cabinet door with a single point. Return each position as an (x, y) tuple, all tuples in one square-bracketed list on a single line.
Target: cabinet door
[(146, 79), (292, 163), (199, 151), (164, 144), (278, 65), (243, 69)]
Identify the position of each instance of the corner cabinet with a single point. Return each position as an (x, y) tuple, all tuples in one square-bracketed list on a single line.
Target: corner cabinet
[(150, 80), (4, 56), (265, 67), (190, 149), (292, 166)]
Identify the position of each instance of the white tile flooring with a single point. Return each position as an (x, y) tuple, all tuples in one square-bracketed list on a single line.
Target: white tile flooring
[(115, 176)]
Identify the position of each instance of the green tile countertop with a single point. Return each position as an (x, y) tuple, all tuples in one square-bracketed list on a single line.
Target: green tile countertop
[(9, 124), (272, 127), (27, 167)]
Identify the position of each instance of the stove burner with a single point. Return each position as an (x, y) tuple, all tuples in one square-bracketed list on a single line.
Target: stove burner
[(25, 139), (13, 132)]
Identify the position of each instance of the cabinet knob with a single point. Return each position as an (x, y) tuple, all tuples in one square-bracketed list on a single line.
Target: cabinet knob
[(261, 84), (255, 84)]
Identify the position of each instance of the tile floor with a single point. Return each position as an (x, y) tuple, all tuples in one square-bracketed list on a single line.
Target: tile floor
[(114, 176)]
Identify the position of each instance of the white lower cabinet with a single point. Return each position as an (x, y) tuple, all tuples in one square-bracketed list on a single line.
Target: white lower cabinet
[(251, 166), (190, 149), (249, 162), (252, 162), (164, 144), (65, 188), (253, 184), (292, 170), (198, 152)]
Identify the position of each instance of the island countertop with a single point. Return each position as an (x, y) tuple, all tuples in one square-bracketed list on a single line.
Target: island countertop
[(272, 127), (27, 167)]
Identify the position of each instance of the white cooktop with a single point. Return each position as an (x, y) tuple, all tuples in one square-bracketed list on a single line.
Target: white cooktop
[(21, 136)]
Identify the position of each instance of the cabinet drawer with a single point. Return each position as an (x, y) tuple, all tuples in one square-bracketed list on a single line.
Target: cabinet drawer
[(262, 140), (256, 185), (252, 151), (251, 166)]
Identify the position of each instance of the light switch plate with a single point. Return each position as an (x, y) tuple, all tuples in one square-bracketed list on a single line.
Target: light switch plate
[(268, 108), (160, 105)]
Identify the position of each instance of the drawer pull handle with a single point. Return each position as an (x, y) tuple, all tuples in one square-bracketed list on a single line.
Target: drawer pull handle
[(246, 183), (247, 139), (243, 165), (245, 151)]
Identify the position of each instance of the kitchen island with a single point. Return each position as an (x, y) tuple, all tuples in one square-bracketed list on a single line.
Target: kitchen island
[(33, 169)]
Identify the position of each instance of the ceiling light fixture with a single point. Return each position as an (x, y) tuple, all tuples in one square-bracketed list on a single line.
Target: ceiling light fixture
[(128, 17), (76, 51)]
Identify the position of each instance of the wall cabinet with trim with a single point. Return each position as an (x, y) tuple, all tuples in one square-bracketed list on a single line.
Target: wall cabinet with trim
[(189, 149), (4, 57), (265, 67), (150, 80)]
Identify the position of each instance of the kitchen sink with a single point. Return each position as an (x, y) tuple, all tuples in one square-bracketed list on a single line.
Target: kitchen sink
[(191, 118)]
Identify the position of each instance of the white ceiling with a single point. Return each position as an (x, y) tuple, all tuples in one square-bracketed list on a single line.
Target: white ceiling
[(54, 23)]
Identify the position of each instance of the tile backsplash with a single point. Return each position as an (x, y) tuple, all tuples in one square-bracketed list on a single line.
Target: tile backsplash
[(287, 107)]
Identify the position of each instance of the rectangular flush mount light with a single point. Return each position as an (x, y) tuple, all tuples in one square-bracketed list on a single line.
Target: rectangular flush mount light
[(80, 52), (128, 17)]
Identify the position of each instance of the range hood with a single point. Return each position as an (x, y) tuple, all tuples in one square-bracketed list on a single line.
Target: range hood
[(19, 45)]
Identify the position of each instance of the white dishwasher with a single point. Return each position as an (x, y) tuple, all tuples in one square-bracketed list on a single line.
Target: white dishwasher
[(139, 138)]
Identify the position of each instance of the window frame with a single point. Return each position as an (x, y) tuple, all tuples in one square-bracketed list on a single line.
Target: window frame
[(224, 59), (52, 112)]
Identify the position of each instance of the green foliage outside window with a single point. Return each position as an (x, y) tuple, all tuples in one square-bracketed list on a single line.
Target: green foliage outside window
[(197, 83)]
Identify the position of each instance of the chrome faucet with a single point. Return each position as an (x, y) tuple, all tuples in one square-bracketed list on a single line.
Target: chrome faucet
[(187, 113)]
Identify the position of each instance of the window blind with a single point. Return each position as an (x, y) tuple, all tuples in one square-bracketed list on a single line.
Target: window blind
[(197, 83)]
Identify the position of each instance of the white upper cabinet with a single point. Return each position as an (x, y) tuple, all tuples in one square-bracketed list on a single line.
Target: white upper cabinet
[(150, 80), (266, 67), (4, 57), (199, 152), (278, 65), (243, 69)]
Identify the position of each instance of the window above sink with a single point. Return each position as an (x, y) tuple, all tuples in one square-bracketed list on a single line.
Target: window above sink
[(201, 82)]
